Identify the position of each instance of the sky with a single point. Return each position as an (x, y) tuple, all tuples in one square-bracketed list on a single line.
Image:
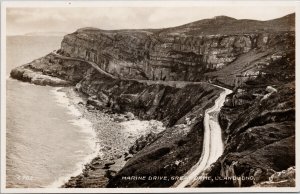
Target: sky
[(24, 20)]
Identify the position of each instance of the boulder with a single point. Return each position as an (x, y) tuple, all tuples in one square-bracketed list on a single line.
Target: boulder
[(103, 98), (110, 174), (271, 89), (80, 103), (120, 119), (128, 157), (77, 87), (109, 163), (90, 107), (95, 103), (258, 175), (129, 115), (284, 175)]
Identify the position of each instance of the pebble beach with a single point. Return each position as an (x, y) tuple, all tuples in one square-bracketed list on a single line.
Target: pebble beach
[(115, 134)]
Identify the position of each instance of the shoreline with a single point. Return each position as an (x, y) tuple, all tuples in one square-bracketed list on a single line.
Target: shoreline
[(84, 125), (113, 135)]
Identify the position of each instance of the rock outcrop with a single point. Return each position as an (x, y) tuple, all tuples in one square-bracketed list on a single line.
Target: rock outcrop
[(36, 77), (51, 71), (285, 178)]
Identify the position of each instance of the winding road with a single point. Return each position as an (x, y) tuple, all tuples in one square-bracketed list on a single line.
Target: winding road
[(94, 65), (177, 84), (212, 143)]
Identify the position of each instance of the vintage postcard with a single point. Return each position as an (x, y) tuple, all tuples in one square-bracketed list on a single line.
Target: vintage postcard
[(148, 96)]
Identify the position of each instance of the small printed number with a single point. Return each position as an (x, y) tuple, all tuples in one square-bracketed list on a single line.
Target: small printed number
[(24, 178)]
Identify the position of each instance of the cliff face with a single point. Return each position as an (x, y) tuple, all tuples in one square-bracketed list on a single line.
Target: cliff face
[(148, 100), (221, 50), (180, 53), (155, 56), (254, 58)]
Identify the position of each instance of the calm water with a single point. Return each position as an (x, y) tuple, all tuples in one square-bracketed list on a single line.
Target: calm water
[(46, 142)]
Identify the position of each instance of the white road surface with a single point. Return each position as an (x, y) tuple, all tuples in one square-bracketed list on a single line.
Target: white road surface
[(212, 143)]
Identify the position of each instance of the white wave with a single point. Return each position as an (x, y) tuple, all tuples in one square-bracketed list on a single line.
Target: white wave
[(86, 126)]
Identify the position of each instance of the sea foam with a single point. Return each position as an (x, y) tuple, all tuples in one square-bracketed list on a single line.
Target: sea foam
[(86, 126)]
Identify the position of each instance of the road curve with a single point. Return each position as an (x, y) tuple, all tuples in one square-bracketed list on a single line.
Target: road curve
[(212, 142), (94, 65), (177, 84)]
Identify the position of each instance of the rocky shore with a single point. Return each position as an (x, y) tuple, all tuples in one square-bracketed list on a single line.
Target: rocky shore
[(114, 140), (36, 77)]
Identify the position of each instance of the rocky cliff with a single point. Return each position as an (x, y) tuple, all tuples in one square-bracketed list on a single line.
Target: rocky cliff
[(254, 58), (222, 49), (186, 52), (258, 120)]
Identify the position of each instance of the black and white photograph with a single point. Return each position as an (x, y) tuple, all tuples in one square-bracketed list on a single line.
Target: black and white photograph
[(148, 96)]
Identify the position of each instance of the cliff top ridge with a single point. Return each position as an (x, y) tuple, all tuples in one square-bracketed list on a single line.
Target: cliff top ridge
[(216, 25)]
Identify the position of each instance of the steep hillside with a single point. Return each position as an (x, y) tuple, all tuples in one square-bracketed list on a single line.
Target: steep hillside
[(181, 109), (258, 119), (229, 26)]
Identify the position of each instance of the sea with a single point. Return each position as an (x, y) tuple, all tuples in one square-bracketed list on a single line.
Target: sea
[(47, 140)]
